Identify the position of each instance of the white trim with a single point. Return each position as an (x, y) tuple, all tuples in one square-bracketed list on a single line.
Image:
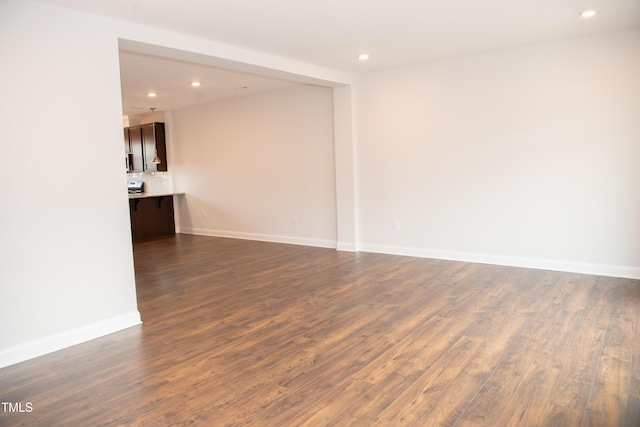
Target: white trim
[(628, 272), (51, 343), (511, 261), (347, 247), (294, 240)]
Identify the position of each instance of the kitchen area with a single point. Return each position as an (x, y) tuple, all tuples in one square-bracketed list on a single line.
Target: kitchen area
[(151, 195), (232, 140)]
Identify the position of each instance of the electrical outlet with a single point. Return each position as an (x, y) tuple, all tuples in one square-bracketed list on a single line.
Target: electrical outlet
[(396, 225), (294, 219), (203, 213)]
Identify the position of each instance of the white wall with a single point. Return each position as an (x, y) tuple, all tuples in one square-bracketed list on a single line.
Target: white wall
[(67, 264), (66, 260), (526, 156), (258, 167)]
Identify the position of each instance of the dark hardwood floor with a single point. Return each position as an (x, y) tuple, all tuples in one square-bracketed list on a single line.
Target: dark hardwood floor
[(239, 332)]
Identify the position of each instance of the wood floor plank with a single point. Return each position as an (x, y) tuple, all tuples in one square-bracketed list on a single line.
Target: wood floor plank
[(632, 416), (454, 400), (518, 366), (570, 395), (365, 411), (238, 332), (411, 403), (517, 392), (612, 383)]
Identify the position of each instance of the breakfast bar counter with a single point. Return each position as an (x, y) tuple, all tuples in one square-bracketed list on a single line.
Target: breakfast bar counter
[(151, 215)]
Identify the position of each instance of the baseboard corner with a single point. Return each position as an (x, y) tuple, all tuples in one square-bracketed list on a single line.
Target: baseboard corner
[(39, 347)]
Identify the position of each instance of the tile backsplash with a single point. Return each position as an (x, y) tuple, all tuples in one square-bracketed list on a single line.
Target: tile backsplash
[(154, 182)]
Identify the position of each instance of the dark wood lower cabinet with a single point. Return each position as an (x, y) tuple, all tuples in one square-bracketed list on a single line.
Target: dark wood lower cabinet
[(151, 217)]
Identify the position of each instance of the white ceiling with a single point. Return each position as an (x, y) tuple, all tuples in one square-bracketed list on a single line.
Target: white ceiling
[(171, 80), (331, 33)]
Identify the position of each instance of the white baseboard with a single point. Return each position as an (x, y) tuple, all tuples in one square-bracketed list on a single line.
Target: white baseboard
[(347, 247), (628, 272), (294, 240), (51, 343), (511, 261)]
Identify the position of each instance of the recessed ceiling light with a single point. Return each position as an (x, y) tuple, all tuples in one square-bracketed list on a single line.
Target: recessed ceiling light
[(195, 84), (151, 94), (588, 13), (363, 56)]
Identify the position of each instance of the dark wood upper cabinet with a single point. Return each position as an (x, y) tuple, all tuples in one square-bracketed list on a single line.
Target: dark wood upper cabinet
[(153, 142), (136, 157), (128, 156), (143, 142)]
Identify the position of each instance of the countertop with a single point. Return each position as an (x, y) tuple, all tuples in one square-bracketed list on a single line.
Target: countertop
[(146, 195)]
